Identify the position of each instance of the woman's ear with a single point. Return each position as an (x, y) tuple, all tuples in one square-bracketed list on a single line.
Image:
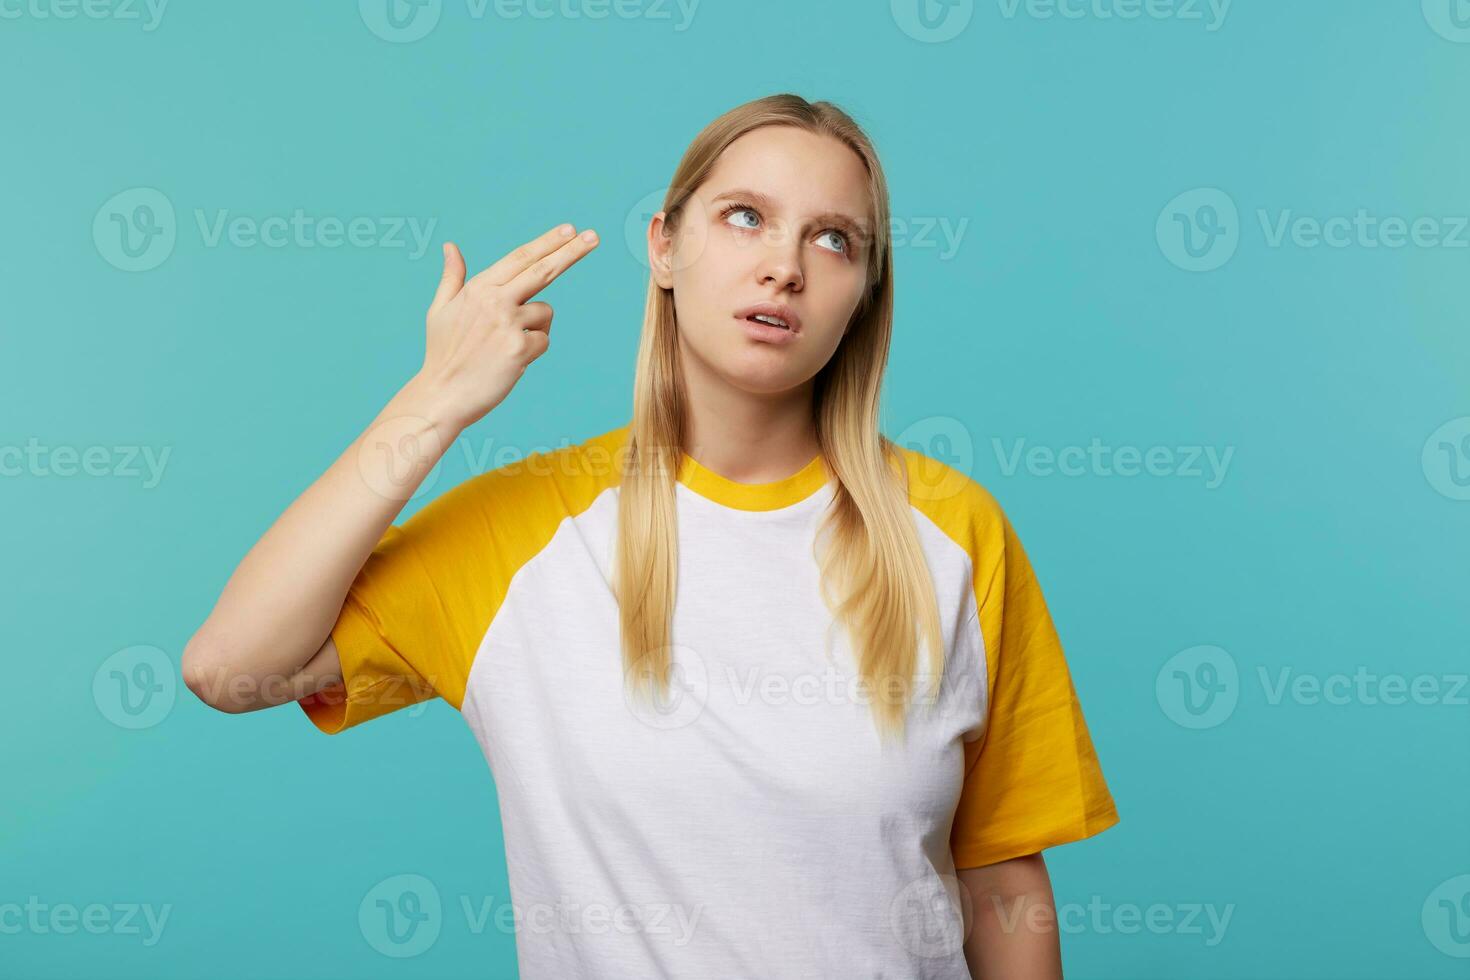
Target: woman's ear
[(660, 251)]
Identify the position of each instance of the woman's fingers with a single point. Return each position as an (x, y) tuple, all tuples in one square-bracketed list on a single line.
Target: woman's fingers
[(521, 256), (453, 278), (473, 348), (544, 271), (535, 316)]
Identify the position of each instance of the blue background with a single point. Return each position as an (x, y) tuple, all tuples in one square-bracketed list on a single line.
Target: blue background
[(1054, 145)]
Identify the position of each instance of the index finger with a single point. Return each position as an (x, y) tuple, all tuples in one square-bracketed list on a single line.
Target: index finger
[(513, 262), (544, 271)]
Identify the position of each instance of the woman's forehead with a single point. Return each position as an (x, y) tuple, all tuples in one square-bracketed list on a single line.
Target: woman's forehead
[(792, 170)]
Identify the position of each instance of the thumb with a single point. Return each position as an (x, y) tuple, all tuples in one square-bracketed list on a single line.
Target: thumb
[(453, 278)]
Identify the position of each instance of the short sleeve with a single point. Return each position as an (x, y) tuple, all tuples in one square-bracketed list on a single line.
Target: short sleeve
[(391, 637), (415, 615), (407, 620), (1032, 780)]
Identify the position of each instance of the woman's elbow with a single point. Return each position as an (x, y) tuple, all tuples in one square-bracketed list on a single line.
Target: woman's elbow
[(205, 671)]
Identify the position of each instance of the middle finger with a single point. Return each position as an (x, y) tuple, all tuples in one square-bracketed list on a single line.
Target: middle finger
[(544, 271), (517, 259)]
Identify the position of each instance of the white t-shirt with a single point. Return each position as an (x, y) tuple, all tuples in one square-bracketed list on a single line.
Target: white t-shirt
[(753, 824)]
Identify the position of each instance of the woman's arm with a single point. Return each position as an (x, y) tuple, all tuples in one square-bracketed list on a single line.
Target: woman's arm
[(267, 641), (1013, 935)]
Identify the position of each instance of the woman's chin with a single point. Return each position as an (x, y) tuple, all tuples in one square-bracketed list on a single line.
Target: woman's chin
[(764, 374)]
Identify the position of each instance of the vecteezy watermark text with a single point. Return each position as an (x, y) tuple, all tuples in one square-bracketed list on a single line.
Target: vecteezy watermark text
[(1211, 13), (1200, 230), (934, 21), (1097, 459), (303, 230), (406, 21), (64, 918), (403, 915), (1200, 687), (35, 459), (136, 230), (149, 12)]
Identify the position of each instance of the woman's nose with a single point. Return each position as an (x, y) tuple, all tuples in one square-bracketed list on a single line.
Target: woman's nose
[(780, 263)]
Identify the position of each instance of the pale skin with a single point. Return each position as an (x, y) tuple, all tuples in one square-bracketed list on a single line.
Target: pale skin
[(267, 641), (749, 416), (782, 217)]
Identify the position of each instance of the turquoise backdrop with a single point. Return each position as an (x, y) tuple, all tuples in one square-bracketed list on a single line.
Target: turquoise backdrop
[(1183, 283)]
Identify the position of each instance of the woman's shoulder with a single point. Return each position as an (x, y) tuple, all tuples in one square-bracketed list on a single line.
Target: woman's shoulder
[(946, 493), (547, 483), (961, 507)]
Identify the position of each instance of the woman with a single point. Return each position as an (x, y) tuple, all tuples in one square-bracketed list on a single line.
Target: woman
[(859, 690)]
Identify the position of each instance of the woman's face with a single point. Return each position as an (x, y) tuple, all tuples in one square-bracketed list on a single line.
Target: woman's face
[(782, 219)]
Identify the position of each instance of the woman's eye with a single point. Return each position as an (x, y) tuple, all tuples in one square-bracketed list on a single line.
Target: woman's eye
[(840, 238), (742, 211)]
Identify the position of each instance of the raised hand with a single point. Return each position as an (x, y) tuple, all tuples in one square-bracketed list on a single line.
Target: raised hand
[(483, 333)]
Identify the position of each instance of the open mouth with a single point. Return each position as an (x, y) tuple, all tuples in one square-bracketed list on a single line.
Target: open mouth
[(772, 316), (769, 321)]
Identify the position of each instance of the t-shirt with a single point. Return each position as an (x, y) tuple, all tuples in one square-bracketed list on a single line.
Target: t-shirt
[(753, 823)]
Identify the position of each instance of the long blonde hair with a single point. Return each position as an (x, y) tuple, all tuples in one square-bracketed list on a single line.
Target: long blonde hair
[(875, 580)]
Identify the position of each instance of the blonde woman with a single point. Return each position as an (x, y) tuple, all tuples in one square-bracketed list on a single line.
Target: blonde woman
[(774, 695)]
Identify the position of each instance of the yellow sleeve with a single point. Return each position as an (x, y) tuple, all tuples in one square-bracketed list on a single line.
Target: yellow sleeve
[(1032, 780), (415, 615)]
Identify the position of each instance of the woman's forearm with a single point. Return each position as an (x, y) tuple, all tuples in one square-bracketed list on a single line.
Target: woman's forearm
[(286, 593), (276, 612)]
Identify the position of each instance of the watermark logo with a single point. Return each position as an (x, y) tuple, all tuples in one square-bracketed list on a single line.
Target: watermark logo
[(1446, 459), (635, 224), (392, 457), (932, 21), (135, 229), (136, 687), (400, 21), (948, 455), (1446, 917), (401, 916), (929, 914), (692, 236), (680, 702), (1201, 686), (1199, 230), (1198, 687), (1450, 19)]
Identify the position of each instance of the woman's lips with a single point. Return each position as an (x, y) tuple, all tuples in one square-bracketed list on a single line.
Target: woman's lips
[(772, 310), (768, 333)]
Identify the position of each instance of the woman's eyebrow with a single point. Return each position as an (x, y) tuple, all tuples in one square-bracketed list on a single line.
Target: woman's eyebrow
[(846, 222)]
